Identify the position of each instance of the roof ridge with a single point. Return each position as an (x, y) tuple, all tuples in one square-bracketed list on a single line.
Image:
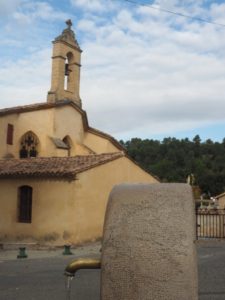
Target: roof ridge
[(64, 157), (57, 167), (37, 105)]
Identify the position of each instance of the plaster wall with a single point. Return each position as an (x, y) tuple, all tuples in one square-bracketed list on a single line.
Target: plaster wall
[(38, 122), (65, 211), (68, 122), (46, 123), (221, 202), (52, 204), (93, 188), (98, 144)]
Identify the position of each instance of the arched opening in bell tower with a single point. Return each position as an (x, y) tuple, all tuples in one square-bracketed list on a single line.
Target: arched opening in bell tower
[(68, 71), (66, 74)]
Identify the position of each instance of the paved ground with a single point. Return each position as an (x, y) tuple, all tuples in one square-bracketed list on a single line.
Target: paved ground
[(40, 277), (211, 261)]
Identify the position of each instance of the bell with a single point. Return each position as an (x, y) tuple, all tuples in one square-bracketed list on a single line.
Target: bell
[(66, 69)]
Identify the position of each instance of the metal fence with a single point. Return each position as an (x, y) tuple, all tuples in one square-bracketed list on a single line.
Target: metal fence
[(210, 223)]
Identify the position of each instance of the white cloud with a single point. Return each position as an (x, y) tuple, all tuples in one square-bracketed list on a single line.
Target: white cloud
[(218, 12), (26, 80), (153, 77), (143, 72), (92, 5), (35, 10), (9, 6)]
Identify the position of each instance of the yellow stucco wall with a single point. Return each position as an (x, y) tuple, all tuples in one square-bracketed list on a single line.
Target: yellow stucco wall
[(65, 211), (52, 204), (93, 188), (98, 144), (54, 122), (37, 121), (46, 123), (221, 201)]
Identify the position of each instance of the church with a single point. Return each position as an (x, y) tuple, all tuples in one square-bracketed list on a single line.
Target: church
[(56, 171)]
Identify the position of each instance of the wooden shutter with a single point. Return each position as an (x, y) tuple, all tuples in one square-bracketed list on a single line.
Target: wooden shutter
[(10, 129)]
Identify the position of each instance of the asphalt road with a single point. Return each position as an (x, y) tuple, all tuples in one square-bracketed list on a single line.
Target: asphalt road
[(42, 278), (211, 269)]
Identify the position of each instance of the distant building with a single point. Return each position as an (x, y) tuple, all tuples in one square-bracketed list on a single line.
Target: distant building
[(56, 171), (220, 199)]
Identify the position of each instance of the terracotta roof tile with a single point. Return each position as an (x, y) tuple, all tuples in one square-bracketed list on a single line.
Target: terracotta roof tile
[(53, 167)]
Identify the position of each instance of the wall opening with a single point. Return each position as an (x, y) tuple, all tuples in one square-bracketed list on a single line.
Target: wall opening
[(66, 76), (25, 204), (68, 71), (29, 145)]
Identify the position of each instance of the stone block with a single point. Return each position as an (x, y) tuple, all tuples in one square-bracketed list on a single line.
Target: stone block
[(149, 244)]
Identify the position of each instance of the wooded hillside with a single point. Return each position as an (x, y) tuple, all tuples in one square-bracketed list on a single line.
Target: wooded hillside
[(172, 160)]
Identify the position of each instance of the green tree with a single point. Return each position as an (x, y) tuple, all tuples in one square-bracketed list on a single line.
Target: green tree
[(172, 160)]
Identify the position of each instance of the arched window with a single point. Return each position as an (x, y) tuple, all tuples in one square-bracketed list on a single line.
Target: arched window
[(25, 204), (67, 141), (29, 145), (66, 77), (68, 70)]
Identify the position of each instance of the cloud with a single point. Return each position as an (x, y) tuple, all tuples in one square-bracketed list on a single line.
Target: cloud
[(8, 7), (143, 72), (28, 24), (26, 81), (18, 17), (149, 77), (91, 5), (35, 10)]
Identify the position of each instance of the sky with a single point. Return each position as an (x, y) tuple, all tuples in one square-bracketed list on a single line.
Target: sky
[(145, 73)]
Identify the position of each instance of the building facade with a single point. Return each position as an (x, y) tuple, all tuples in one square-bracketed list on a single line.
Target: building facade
[(56, 171)]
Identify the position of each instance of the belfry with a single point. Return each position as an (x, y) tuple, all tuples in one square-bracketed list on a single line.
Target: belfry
[(65, 77)]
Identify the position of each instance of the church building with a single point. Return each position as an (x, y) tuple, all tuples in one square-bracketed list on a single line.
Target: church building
[(56, 171)]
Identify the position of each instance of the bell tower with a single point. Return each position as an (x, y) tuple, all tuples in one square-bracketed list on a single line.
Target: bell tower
[(65, 80)]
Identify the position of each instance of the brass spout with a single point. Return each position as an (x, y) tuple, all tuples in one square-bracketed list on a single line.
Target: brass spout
[(82, 263)]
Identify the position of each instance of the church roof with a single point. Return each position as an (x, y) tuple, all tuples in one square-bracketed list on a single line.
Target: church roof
[(40, 106), (53, 167), (46, 105)]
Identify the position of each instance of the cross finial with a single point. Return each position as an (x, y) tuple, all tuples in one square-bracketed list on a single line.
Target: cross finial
[(69, 23)]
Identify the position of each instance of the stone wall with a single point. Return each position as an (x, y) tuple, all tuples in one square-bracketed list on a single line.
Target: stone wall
[(148, 245)]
